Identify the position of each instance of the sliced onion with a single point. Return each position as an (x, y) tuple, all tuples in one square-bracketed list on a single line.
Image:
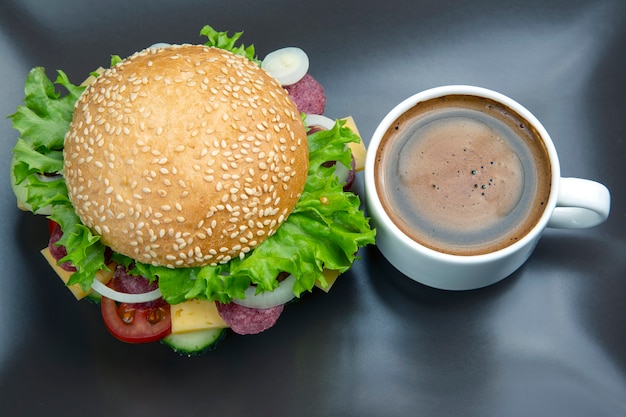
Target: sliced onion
[(342, 172), (268, 299), (319, 120), (287, 65), (159, 45), (123, 297)]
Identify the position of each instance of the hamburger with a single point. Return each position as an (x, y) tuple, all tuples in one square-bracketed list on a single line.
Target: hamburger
[(187, 192)]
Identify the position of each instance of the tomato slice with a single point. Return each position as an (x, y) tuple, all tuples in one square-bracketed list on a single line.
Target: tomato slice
[(51, 226), (136, 323)]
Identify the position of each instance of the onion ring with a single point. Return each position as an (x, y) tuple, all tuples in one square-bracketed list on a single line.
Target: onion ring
[(281, 295), (287, 65), (319, 120), (123, 297)]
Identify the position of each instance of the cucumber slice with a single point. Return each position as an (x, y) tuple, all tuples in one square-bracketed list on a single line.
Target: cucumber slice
[(94, 297), (194, 343)]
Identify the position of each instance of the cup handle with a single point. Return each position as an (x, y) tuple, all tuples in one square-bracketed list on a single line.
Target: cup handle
[(580, 204)]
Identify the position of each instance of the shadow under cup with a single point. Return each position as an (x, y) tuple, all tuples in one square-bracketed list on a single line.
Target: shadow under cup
[(459, 186)]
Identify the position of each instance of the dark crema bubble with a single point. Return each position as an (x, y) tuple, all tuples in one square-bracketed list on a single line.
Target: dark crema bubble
[(463, 175)]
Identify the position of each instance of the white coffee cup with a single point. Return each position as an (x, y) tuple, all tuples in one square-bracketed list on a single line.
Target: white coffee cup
[(571, 203)]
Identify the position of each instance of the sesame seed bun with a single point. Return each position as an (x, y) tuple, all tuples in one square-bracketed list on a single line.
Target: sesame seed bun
[(185, 156)]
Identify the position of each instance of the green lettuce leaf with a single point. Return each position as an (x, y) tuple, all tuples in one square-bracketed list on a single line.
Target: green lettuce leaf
[(33, 161), (45, 116), (43, 121), (84, 250), (223, 41)]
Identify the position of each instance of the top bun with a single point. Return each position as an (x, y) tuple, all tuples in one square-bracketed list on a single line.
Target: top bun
[(185, 156)]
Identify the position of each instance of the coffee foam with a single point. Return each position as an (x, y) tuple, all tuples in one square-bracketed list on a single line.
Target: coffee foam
[(462, 175)]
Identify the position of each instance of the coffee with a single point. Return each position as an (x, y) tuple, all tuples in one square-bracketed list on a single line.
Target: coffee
[(463, 175)]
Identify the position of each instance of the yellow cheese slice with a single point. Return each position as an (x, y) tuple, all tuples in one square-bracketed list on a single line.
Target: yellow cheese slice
[(77, 291), (331, 276), (358, 149), (193, 315), (22, 206)]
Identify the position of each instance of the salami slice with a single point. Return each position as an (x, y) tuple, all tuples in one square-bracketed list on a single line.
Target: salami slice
[(308, 94), (59, 251), (245, 320)]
